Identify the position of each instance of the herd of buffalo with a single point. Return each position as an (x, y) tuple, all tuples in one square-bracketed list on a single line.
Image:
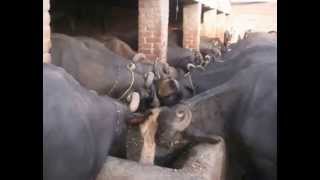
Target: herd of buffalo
[(95, 88)]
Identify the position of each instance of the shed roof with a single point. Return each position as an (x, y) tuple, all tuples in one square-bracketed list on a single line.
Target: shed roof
[(220, 5)]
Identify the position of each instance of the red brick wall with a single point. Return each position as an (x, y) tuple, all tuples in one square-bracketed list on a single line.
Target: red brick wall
[(153, 28), (191, 26), (46, 31)]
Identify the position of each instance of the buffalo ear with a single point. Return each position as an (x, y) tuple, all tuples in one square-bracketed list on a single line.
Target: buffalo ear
[(135, 118)]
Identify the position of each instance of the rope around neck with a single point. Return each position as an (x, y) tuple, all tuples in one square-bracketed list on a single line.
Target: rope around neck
[(156, 68), (117, 126), (188, 75), (115, 82), (131, 67)]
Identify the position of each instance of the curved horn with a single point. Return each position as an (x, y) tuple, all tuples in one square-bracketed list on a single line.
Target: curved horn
[(155, 102), (164, 71), (93, 92), (185, 115), (134, 102), (176, 83), (156, 69), (138, 57), (179, 114), (219, 53), (215, 43), (131, 66), (166, 68), (207, 58), (149, 79), (190, 65)]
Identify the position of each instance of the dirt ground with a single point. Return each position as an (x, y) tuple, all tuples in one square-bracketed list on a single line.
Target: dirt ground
[(258, 17)]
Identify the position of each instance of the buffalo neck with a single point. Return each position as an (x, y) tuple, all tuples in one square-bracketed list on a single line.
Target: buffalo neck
[(210, 111), (121, 112), (116, 112), (209, 94), (143, 68)]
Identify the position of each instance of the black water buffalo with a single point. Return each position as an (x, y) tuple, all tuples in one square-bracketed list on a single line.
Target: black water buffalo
[(185, 59), (78, 127), (253, 40), (257, 38), (244, 54), (243, 110), (227, 38), (236, 99), (179, 57), (121, 48), (99, 69), (182, 58), (211, 46)]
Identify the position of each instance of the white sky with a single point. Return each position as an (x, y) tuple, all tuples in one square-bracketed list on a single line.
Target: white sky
[(238, 1)]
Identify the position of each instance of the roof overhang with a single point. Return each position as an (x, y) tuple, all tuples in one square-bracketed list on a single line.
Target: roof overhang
[(223, 6)]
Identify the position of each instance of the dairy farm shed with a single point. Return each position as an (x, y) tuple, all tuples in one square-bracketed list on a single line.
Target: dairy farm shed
[(150, 21)]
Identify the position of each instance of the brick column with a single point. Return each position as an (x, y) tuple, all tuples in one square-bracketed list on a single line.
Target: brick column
[(191, 26), (153, 28), (46, 32), (208, 27), (220, 28)]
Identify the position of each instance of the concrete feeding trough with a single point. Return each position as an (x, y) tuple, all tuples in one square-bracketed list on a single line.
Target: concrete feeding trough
[(202, 162)]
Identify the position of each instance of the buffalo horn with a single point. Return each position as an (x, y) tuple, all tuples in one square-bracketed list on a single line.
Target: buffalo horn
[(186, 115), (149, 79), (189, 66), (134, 102), (180, 114), (138, 57)]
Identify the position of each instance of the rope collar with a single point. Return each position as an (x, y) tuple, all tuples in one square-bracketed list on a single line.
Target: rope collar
[(188, 75), (118, 111), (130, 67)]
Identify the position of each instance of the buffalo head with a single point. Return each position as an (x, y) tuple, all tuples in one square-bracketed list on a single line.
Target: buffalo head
[(167, 87), (172, 122), (156, 86)]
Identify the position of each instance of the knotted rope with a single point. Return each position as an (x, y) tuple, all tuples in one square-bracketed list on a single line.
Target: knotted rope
[(131, 67)]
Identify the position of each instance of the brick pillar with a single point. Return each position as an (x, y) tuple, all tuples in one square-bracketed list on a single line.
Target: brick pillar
[(153, 28), (208, 27), (46, 32), (191, 26), (220, 28)]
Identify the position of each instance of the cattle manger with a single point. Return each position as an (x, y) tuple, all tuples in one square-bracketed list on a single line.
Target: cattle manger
[(202, 162)]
